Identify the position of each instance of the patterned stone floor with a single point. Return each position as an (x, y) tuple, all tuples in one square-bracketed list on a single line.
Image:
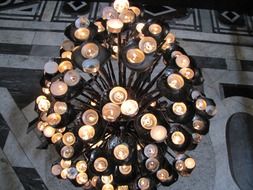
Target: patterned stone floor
[(31, 32)]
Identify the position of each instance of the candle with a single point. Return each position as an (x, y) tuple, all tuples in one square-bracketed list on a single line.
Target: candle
[(139, 27), (91, 65), (120, 5), (72, 173), (48, 131), (100, 164), (121, 152), (71, 78), (129, 108), (125, 169), (201, 104), (64, 173), (151, 150), (108, 187), (182, 61), (190, 163), (68, 45), (81, 166), (41, 125), (56, 169), (82, 178), (198, 124), (148, 121), (65, 163), (81, 22), (169, 39), (109, 13), (127, 16), (82, 34), (111, 112), (44, 105), (68, 139), (155, 29), (152, 164), (175, 54), (53, 119), (135, 56), (64, 66), (51, 67), (90, 117), (179, 165), (60, 107), (58, 88), (148, 45), (158, 133), (56, 137), (114, 25), (163, 175), (86, 132), (144, 183), (175, 81), (118, 95), (67, 152), (187, 73), (179, 108), (90, 50), (100, 26), (123, 187), (107, 179), (136, 10), (178, 138)]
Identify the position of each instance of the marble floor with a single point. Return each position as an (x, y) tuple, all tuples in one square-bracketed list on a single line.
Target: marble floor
[(31, 32)]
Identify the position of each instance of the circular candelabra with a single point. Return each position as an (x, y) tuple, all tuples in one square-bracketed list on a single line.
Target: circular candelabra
[(121, 104)]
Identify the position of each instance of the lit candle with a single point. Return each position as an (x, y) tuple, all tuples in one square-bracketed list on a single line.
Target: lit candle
[(91, 65), (108, 187), (86, 132), (66, 54), (127, 16), (148, 121), (58, 88), (100, 26), (51, 67), (201, 104), (135, 56), (94, 181), (136, 10), (118, 95), (56, 137), (144, 183), (41, 125), (163, 175), (46, 90), (56, 170), (139, 27), (107, 179), (148, 45), (100, 164), (60, 107), (121, 152), (68, 45), (109, 13), (90, 50), (182, 61), (175, 54), (54, 119), (198, 124), (61, 130), (68, 139), (152, 164), (49, 131), (169, 39), (175, 81), (125, 169), (71, 78), (158, 133), (151, 150), (64, 66), (178, 138), (179, 108), (123, 187), (114, 25), (129, 108), (111, 112), (82, 178), (120, 5), (155, 29), (82, 21), (82, 34), (90, 117), (81, 166), (187, 73), (190, 163), (67, 152), (64, 173), (44, 105), (65, 163), (179, 165)]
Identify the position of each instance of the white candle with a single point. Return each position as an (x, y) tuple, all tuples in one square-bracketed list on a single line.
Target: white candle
[(114, 25), (129, 108), (158, 133), (58, 88), (72, 77)]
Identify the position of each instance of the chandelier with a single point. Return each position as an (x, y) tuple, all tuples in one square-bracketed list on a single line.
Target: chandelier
[(122, 103)]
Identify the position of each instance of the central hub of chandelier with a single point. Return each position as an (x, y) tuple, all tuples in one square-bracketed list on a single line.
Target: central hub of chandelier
[(122, 103)]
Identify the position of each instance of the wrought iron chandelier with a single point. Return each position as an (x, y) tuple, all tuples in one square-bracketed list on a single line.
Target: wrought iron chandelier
[(121, 104)]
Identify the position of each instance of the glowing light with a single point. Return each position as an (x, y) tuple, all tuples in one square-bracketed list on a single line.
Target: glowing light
[(135, 56), (86, 132), (129, 108), (158, 133), (175, 81), (90, 117), (155, 29), (179, 108), (100, 164), (111, 112), (148, 121), (148, 45), (121, 152), (82, 34), (178, 138), (90, 50), (118, 95)]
